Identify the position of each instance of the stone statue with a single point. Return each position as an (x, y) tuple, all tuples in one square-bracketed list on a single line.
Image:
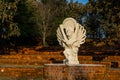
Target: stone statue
[(71, 35)]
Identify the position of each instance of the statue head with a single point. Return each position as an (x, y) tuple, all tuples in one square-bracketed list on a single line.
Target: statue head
[(69, 25)]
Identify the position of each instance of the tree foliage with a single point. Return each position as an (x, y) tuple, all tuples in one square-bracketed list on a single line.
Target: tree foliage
[(49, 15), (25, 18), (104, 14), (8, 27), (92, 20), (109, 10), (75, 10), (40, 18)]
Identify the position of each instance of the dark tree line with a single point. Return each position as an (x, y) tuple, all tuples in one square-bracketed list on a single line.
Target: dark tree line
[(35, 21)]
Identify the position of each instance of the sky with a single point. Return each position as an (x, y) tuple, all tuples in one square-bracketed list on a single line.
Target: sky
[(80, 1)]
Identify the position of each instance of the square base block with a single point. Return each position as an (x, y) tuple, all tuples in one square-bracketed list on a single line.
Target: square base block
[(74, 72)]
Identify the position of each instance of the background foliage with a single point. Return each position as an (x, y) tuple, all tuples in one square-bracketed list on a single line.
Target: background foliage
[(34, 22)]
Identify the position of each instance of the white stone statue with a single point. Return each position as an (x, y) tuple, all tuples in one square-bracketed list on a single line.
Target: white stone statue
[(71, 35)]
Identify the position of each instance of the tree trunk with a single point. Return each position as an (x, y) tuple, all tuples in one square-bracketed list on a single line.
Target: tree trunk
[(44, 40)]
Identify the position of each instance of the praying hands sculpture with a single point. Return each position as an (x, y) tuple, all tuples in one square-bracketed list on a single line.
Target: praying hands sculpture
[(71, 35)]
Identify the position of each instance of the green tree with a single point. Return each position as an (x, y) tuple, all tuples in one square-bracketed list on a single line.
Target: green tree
[(49, 13), (25, 18), (8, 27), (109, 10), (76, 10), (92, 20)]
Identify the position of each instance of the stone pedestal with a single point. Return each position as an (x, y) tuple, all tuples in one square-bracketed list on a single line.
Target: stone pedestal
[(74, 72)]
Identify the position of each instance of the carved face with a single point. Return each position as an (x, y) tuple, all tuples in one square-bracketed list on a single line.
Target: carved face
[(69, 26), (69, 31)]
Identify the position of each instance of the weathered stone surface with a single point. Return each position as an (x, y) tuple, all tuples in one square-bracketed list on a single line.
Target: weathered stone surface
[(70, 35), (74, 72)]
